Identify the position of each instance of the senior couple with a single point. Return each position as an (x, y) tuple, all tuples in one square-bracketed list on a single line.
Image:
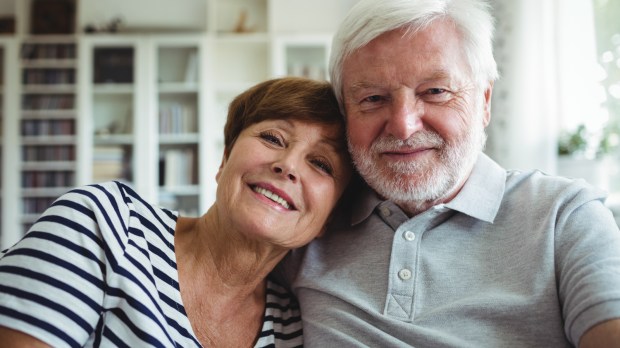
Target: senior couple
[(429, 243)]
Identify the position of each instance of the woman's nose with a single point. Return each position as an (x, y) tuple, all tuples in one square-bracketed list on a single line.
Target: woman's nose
[(286, 169)]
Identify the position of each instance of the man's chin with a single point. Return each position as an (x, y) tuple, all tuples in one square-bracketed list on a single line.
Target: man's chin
[(409, 188)]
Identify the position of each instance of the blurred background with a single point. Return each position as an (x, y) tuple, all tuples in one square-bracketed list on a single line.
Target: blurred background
[(137, 91)]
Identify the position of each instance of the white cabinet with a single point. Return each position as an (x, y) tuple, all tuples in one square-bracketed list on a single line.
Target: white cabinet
[(143, 106), (146, 107)]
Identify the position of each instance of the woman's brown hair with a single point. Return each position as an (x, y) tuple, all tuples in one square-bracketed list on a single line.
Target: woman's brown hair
[(292, 98)]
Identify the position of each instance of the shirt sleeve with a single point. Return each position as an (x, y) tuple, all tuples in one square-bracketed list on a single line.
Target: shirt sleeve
[(52, 281), (588, 263)]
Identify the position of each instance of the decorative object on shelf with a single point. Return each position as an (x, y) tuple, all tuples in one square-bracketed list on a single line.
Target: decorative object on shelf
[(114, 25), (116, 126), (242, 23)]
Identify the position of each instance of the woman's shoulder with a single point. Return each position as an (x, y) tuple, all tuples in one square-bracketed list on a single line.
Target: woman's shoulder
[(282, 323)]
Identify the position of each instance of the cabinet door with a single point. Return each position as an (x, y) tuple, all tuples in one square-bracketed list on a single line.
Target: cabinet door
[(302, 55), (48, 123), (178, 95), (110, 109)]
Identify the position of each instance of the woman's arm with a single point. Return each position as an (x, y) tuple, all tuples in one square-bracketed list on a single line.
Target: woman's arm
[(605, 334), (18, 339)]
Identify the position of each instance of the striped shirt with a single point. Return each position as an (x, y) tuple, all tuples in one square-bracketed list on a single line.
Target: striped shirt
[(98, 269)]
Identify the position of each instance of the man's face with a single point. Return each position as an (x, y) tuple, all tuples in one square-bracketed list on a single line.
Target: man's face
[(415, 118)]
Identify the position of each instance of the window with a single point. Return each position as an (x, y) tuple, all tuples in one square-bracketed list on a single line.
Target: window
[(607, 28)]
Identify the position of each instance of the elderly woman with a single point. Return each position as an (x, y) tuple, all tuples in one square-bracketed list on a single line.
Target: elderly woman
[(102, 267)]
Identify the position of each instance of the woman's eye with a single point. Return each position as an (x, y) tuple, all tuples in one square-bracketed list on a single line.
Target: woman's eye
[(272, 138), (323, 165)]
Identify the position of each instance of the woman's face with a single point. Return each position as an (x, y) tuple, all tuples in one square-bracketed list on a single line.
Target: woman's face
[(281, 180)]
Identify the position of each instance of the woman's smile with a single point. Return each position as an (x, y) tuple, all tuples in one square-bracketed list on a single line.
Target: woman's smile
[(273, 197)]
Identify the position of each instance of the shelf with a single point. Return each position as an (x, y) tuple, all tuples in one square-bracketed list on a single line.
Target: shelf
[(178, 87), (48, 140), (48, 88), (48, 114), (49, 63), (113, 88), (114, 139), (172, 139), (49, 165)]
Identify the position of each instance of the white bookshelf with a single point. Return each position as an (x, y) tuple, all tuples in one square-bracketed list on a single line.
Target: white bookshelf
[(170, 103)]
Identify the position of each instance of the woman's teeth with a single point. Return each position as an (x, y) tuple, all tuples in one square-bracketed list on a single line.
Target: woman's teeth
[(272, 196)]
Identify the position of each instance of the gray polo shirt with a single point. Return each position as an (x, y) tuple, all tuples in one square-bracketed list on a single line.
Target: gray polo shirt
[(514, 260)]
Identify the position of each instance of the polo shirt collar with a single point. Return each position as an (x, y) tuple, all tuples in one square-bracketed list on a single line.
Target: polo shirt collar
[(479, 198)]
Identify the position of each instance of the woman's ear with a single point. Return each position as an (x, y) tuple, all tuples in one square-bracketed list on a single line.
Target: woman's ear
[(222, 164)]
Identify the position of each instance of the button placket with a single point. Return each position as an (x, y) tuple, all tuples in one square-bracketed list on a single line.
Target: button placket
[(403, 268)]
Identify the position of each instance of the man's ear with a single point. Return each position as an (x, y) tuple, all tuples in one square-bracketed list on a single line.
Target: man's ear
[(224, 159), (488, 93)]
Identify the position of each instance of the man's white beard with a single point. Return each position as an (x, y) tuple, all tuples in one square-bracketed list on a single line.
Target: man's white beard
[(416, 182)]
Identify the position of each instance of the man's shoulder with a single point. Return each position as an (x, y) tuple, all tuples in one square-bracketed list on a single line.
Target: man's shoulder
[(535, 190), (544, 183)]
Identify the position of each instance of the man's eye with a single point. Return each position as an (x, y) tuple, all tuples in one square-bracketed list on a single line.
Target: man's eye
[(323, 165), (435, 91), (436, 95), (372, 99), (272, 138)]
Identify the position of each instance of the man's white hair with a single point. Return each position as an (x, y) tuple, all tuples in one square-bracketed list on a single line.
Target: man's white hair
[(369, 19)]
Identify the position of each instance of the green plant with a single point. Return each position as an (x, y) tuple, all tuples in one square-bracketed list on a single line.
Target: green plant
[(581, 142)]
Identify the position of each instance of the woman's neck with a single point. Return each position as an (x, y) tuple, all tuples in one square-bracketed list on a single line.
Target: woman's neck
[(222, 280), (221, 257)]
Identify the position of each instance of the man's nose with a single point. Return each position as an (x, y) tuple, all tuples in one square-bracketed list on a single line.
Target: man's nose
[(405, 117)]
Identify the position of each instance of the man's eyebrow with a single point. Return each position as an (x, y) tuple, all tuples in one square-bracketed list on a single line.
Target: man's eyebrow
[(438, 74), (360, 85)]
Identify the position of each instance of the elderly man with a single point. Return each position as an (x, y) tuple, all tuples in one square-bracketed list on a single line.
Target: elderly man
[(440, 246)]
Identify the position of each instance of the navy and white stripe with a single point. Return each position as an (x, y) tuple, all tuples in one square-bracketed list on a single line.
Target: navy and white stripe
[(98, 268)]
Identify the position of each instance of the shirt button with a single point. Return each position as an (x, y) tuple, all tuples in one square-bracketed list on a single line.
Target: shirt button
[(385, 211), (404, 274), (409, 235)]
